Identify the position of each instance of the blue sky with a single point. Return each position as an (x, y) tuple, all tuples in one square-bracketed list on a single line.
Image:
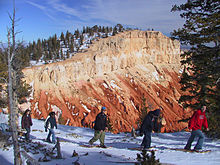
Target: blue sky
[(43, 18)]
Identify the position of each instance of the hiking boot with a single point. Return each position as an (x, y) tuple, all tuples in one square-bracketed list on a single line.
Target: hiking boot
[(48, 140), (197, 150), (90, 143), (103, 146), (186, 148)]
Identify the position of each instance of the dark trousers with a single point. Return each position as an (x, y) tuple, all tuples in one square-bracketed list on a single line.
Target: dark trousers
[(27, 134), (146, 143)]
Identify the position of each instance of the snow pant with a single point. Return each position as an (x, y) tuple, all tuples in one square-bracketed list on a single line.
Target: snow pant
[(51, 132), (98, 135), (146, 142), (197, 133), (27, 134)]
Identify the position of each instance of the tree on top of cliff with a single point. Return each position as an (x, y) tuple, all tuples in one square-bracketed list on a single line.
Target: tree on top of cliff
[(202, 61)]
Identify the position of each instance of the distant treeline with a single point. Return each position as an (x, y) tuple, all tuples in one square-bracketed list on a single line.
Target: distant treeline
[(58, 48)]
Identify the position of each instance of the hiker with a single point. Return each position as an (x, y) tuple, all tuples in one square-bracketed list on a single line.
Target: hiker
[(147, 126), (196, 122), (100, 127), (26, 123), (50, 123)]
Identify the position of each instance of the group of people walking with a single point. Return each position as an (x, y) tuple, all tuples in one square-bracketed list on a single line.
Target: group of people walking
[(149, 124), (50, 124)]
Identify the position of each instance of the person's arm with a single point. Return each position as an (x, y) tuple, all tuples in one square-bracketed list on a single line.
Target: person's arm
[(192, 121), (31, 121), (46, 124), (22, 122), (205, 123)]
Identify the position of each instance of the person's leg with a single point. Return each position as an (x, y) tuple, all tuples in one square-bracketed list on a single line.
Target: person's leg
[(53, 136), (96, 137), (48, 136), (102, 138), (190, 140), (27, 134), (200, 140), (148, 140), (143, 143)]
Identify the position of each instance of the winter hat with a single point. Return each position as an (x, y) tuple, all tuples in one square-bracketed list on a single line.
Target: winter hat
[(103, 109), (156, 112)]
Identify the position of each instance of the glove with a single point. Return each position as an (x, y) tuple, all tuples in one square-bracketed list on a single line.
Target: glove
[(45, 129)]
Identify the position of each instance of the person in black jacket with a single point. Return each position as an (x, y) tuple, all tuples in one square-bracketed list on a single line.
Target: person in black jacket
[(100, 127), (50, 123), (26, 123), (147, 126)]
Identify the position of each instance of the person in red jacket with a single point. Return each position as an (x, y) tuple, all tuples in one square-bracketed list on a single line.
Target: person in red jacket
[(26, 123), (197, 121)]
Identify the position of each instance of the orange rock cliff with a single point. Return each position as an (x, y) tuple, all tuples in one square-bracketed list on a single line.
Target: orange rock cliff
[(116, 72)]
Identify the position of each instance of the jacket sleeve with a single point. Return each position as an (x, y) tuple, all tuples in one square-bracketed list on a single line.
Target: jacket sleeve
[(31, 121), (46, 122), (205, 123), (55, 124), (22, 122), (192, 120)]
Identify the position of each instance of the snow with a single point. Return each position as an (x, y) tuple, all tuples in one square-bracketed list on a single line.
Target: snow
[(156, 76), (72, 137), (113, 85)]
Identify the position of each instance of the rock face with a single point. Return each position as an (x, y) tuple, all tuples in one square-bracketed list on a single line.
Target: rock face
[(116, 72)]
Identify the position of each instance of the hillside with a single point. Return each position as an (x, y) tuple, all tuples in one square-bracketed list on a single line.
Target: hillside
[(116, 72)]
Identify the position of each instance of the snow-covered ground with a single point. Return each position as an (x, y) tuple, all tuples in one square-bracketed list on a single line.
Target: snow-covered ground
[(73, 137)]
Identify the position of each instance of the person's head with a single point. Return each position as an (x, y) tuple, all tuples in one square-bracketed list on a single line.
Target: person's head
[(156, 112), (104, 110), (203, 108), (27, 112), (52, 114)]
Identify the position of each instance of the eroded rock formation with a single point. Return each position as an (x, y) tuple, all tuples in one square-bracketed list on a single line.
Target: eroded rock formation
[(116, 72)]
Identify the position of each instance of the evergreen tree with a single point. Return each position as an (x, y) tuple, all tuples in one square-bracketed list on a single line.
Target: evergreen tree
[(81, 38), (67, 37), (120, 27), (77, 34), (114, 31), (145, 159), (62, 37), (202, 61), (143, 112)]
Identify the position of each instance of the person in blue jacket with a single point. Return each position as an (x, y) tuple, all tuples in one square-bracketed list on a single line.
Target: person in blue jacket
[(147, 126)]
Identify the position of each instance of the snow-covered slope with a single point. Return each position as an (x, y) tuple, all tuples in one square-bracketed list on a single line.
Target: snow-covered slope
[(72, 137)]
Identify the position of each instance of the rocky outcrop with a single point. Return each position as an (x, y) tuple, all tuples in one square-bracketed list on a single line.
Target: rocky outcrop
[(116, 72)]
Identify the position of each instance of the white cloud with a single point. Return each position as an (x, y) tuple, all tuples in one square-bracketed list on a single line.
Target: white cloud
[(43, 8), (140, 13)]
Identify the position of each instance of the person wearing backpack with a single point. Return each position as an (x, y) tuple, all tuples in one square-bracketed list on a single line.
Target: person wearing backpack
[(100, 127), (147, 126), (50, 123)]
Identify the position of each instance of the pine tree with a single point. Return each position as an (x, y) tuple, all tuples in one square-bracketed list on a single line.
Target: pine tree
[(145, 159), (114, 31), (143, 112), (202, 61)]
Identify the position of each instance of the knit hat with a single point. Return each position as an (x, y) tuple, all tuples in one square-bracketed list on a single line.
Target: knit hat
[(156, 112), (103, 109)]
